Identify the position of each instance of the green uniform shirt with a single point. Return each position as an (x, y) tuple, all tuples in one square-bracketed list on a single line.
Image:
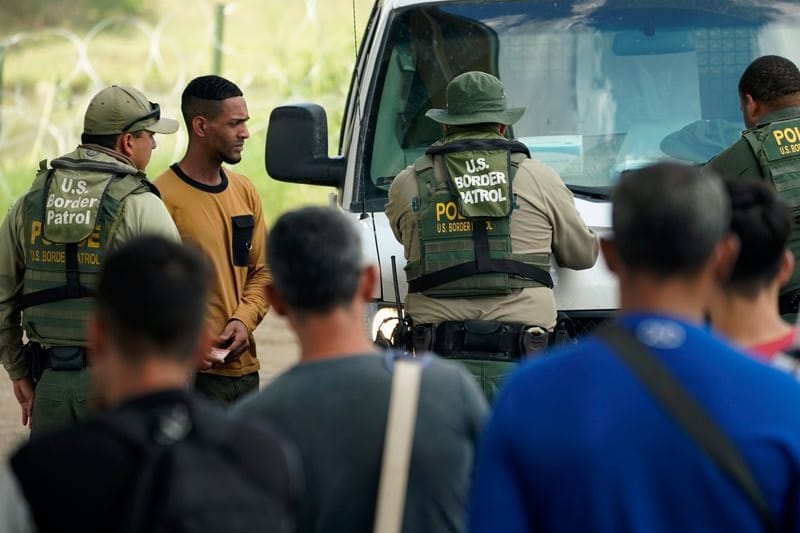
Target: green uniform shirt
[(140, 213), (739, 161)]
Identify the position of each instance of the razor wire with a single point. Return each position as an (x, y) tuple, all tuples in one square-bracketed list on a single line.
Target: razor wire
[(43, 118)]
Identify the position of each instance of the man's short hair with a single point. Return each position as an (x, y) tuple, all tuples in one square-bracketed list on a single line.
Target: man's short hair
[(202, 96), (106, 141), (152, 295), (770, 78), (668, 218), (315, 259), (763, 224)]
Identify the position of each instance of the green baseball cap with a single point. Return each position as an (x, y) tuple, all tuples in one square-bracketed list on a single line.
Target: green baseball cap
[(476, 98), (121, 109)]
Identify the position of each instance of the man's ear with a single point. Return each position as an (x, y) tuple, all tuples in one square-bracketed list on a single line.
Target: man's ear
[(368, 281), (752, 109), (125, 144), (724, 257), (199, 125), (787, 268), (610, 254), (275, 300)]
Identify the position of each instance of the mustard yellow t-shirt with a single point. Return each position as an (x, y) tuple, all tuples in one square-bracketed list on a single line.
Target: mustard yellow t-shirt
[(226, 223)]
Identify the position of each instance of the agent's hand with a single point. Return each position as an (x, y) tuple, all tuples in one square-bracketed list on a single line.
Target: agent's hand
[(24, 392), (234, 338)]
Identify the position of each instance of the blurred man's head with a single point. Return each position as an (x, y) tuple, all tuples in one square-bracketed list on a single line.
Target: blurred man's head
[(151, 302), (216, 114), (668, 218), (670, 224), (316, 263), (768, 84)]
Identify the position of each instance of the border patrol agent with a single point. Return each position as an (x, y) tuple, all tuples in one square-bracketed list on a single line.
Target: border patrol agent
[(479, 221), (52, 245), (769, 149)]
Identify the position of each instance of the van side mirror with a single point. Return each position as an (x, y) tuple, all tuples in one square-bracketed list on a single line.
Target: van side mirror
[(297, 147)]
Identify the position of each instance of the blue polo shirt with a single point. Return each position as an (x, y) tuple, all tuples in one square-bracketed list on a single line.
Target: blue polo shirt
[(575, 442)]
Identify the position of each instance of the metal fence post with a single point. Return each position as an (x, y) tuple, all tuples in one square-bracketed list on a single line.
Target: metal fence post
[(218, 26), (2, 60)]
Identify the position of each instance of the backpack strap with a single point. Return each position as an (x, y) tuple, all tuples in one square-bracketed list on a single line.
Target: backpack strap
[(398, 443), (688, 413)]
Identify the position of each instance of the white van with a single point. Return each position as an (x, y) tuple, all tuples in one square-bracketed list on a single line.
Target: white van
[(609, 86)]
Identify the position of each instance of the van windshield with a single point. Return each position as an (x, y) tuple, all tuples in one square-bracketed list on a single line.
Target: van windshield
[(608, 86)]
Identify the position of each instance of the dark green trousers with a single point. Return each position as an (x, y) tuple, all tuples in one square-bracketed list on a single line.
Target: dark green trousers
[(225, 389), (62, 398), (489, 375)]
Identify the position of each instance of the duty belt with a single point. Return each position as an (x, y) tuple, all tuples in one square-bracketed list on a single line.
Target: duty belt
[(483, 340)]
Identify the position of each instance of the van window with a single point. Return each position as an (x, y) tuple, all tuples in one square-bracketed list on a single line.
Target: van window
[(606, 88)]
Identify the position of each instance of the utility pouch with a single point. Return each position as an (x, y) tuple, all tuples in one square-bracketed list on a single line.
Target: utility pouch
[(242, 238), (487, 340), (36, 358), (533, 339), (422, 338), (67, 357)]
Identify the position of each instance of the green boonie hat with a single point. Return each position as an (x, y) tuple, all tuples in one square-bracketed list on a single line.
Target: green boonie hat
[(120, 109), (476, 98)]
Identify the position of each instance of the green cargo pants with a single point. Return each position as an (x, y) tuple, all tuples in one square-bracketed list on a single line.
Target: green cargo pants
[(489, 375), (62, 398), (225, 389)]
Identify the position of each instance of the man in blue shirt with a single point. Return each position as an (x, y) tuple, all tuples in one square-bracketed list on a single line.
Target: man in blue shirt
[(578, 443)]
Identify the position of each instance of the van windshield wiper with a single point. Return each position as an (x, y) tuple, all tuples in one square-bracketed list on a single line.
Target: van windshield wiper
[(595, 193)]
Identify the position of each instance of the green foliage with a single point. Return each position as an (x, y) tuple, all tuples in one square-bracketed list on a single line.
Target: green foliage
[(277, 52), (31, 14)]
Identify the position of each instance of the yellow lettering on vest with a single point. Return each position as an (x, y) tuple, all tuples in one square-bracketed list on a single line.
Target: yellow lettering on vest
[(451, 211), (94, 239), (440, 207), (36, 230), (790, 135), (52, 256), (87, 258), (778, 134)]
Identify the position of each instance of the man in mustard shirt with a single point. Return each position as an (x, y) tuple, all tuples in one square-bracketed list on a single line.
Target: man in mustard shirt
[(220, 212)]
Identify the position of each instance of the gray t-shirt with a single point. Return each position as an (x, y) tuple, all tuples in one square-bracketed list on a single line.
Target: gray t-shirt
[(335, 411)]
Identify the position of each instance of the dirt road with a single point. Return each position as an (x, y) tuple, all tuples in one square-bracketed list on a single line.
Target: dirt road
[(277, 349)]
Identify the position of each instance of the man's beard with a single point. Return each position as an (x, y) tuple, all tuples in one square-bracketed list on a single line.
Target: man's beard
[(231, 159)]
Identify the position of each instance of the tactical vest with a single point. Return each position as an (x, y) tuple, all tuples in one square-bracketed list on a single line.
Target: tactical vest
[(463, 220), (777, 148), (69, 214)]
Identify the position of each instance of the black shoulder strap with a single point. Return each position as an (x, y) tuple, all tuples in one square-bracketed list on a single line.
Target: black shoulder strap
[(689, 414), (479, 144)]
